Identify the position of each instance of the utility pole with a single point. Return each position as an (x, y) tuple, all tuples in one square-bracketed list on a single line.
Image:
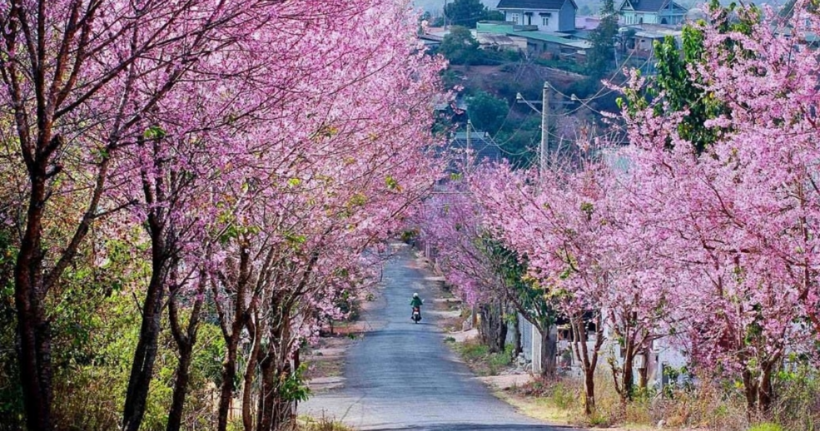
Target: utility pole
[(469, 142), (543, 148), (444, 12), (545, 112)]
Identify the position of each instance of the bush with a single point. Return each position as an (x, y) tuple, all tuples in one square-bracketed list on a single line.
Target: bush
[(498, 361), (487, 112), (472, 351), (564, 396), (483, 362)]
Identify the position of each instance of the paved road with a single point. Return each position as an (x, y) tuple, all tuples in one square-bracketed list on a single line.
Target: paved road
[(401, 376)]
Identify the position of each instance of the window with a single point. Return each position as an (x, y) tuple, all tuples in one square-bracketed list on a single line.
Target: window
[(545, 21), (514, 17)]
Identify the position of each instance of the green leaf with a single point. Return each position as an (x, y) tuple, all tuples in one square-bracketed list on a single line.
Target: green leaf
[(154, 132)]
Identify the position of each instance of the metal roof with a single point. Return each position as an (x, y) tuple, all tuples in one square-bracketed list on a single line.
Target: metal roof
[(531, 4), (552, 38), (650, 5)]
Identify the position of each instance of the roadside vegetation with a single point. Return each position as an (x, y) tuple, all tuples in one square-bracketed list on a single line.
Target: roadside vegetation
[(479, 358)]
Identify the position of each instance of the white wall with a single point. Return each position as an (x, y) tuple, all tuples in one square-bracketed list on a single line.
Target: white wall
[(519, 17)]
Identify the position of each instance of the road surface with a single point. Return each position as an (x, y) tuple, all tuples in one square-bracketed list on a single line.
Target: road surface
[(401, 375)]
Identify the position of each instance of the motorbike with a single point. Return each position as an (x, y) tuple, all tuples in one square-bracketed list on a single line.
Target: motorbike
[(416, 314)]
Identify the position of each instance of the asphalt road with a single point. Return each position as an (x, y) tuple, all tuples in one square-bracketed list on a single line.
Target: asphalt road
[(401, 376)]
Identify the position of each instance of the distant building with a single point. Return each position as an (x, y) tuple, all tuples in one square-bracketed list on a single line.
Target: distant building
[(527, 37), (645, 36), (499, 35), (546, 15), (432, 42), (587, 23), (480, 144), (664, 12)]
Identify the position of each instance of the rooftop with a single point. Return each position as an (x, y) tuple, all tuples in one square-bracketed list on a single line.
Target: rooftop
[(481, 144), (650, 5), (553, 38), (531, 4)]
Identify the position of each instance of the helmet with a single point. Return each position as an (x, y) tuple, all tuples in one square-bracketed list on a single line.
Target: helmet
[(415, 295)]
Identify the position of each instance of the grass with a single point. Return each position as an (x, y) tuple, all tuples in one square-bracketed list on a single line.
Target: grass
[(706, 406), (479, 358), (307, 423), (767, 427), (538, 408)]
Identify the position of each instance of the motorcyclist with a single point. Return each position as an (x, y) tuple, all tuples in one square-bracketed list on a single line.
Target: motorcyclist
[(416, 303)]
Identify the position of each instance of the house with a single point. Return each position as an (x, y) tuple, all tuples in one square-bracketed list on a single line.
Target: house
[(499, 35), (546, 15), (556, 46), (665, 12), (479, 143), (587, 23), (432, 42)]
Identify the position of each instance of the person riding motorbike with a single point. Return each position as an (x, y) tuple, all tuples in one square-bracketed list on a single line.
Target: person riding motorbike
[(416, 304)]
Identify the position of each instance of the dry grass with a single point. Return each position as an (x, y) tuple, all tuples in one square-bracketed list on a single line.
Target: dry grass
[(307, 423), (559, 402), (477, 356)]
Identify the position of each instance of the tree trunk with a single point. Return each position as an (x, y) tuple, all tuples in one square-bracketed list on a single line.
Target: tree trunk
[(750, 390), (274, 412), (185, 343), (250, 373), (516, 330), (549, 351), (764, 389), (588, 360), (232, 330), (492, 329), (228, 374), (142, 368), (758, 390), (589, 391), (33, 327), (180, 388), (627, 384), (266, 381)]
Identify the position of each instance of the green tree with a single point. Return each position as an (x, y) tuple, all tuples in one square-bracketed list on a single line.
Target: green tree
[(680, 91), (487, 112), (600, 58), (494, 15), (533, 301), (465, 12), (459, 46)]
